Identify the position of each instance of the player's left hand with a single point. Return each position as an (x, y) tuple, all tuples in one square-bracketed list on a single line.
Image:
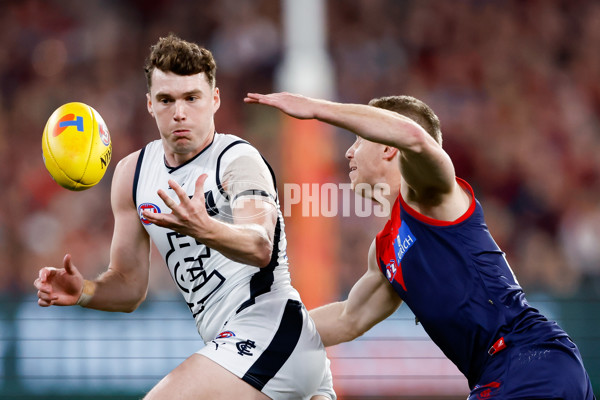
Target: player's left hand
[(189, 216)]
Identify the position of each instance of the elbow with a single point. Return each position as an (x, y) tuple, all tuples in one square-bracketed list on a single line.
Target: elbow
[(354, 332), (417, 140), (264, 254), (135, 303)]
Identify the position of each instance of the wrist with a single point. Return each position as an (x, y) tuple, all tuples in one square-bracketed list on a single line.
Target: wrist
[(87, 292)]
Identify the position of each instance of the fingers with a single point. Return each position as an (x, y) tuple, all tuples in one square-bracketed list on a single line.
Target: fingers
[(252, 98), (181, 194), (199, 189), (46, 299), (166, 199), (46, 273), (44, 303), (45, 292)]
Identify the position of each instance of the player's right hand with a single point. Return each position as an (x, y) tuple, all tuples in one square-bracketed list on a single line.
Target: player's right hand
[(59, 286), (295, 105)]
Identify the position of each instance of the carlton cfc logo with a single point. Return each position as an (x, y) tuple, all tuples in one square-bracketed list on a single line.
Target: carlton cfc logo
[(147, 206), (67, 121)]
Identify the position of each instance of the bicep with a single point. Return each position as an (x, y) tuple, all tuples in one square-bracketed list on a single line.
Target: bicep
[(251, 189), (372, 299), (130, 247)]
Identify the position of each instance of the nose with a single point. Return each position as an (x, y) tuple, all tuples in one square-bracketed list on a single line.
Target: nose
[(179, 111), (350, 152)]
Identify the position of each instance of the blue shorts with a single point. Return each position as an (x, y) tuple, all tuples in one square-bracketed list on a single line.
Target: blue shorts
[(547, 370)]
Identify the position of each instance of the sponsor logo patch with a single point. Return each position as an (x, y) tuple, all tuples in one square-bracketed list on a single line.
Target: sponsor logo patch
[(65, 122), (404, 241)]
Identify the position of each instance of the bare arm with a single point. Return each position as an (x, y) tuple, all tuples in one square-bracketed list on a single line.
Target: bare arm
[(123, 286), (248, 240), (426, 167), (371, 300)]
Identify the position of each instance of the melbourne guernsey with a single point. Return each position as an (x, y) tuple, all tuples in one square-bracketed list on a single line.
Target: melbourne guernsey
[(456, 280)]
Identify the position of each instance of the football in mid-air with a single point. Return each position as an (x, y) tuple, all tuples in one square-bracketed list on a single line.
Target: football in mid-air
[(76, 146)]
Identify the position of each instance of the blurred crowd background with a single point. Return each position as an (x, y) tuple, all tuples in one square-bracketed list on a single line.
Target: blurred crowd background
[(516, 84)]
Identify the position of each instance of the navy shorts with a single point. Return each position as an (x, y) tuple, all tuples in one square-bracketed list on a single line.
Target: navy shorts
[(547, 370)]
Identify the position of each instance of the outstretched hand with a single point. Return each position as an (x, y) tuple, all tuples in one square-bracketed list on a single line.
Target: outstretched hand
[(59, 286), (189, 216), (295, 105)]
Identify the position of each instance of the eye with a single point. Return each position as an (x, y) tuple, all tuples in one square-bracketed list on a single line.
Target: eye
[(192, 98), (165, 100)]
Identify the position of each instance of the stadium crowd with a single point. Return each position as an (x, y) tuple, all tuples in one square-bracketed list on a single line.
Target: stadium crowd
[(515, 84)]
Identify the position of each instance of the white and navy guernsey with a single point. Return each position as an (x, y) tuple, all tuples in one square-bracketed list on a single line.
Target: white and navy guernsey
[(214, 287)]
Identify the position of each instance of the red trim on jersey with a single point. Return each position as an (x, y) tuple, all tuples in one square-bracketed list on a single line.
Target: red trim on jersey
[(432, 221)]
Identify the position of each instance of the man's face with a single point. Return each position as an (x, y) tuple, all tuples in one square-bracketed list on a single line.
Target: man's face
[(365, 162), (184, 108)]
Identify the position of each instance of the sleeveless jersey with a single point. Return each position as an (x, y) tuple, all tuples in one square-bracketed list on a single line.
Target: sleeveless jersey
[(457, 282), (213, 286)]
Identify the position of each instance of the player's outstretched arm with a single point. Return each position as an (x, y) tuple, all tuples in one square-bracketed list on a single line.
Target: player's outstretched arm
[(371, 123), (429, 169), (371, 300), (123, 286)]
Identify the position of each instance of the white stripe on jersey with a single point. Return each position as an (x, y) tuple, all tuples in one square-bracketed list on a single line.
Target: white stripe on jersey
[(213, 286)]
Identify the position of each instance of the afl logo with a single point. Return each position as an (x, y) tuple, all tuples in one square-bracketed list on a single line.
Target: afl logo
[(147, 206), (390, 270), (104, 135), (225, 334)]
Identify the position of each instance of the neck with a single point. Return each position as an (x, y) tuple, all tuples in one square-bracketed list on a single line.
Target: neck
[(390, 194), (385, 193), (175, 159)]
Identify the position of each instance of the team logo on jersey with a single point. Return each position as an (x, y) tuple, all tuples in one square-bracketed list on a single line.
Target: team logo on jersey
[(390, 270), (65, 122), (404, 241), (488, 391), (225, 335), (147, 206), (244, 347)]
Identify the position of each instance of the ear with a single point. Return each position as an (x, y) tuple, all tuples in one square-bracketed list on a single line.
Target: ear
[(389, 153), (216, 98), (149, 104)]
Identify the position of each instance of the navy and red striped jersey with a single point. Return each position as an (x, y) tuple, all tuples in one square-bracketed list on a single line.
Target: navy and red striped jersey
[(457, 282)]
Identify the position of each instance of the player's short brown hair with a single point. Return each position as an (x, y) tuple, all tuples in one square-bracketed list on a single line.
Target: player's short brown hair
[(173, 54), (414, 109)]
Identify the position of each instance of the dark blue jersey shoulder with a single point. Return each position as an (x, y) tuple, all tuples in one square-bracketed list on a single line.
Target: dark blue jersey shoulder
[(457, 282)]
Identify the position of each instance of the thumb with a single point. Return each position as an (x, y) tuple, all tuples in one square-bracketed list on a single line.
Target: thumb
[(68, 264)]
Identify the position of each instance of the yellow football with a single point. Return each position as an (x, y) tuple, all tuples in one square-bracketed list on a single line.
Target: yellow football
[(76, 146)]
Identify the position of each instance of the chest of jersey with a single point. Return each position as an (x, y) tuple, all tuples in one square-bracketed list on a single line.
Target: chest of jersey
[(198, 271)]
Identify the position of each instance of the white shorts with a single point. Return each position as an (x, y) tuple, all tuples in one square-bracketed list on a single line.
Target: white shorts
[(274, 346)]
